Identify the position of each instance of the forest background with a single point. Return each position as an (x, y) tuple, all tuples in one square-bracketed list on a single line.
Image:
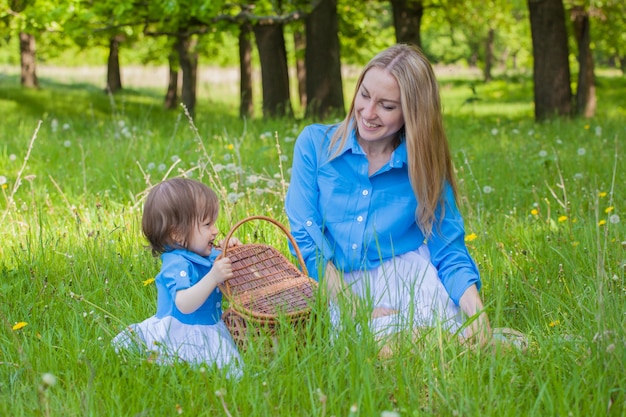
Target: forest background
[(90, 104)]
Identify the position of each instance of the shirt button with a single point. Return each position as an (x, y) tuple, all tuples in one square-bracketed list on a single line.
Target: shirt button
[(359, 219), (354, 246), (217, 290), (217, 304), (309, 223), (365, 192)]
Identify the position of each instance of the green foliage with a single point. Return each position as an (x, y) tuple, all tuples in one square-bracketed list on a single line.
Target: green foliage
[(544, 212)]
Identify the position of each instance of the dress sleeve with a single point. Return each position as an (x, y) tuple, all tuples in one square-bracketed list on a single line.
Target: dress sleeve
[(448, 251), (301, 203), (176, 276)]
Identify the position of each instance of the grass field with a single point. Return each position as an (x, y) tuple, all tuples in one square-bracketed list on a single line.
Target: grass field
[(544, 212)]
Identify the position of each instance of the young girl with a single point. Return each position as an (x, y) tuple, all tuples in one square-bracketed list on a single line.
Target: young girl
[(179, 222)]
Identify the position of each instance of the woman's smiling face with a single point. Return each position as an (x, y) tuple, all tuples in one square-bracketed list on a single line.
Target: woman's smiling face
[(377, 106)]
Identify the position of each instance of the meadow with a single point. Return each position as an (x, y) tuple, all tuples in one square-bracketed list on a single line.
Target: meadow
[(544, 213)]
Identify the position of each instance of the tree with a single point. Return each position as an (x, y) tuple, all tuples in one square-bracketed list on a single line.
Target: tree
[(407, 20), (324, 87), (114, 76), (586, 89), (551, 73)]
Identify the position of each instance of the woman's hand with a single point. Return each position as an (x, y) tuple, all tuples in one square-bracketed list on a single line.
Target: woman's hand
[(479, 329)]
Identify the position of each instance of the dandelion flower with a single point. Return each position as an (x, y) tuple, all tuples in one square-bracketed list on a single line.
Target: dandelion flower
[(148, 281), (252, 179), (19, 325), (581, 151), (175, 158), (578, 176), (543, 153), (614, 219), (162, 167), (602, 222), (554, 323), (487, 189), (601, 194), (494, 131), (609, 209), (534, 212), (48, 379), (12, 157), (3, 180), (470, 237), (67, 143), (561, 219), (66, 126), (230, 146), (586, 127)]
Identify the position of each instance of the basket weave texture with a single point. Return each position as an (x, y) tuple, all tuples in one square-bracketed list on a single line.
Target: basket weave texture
[(265, 286)]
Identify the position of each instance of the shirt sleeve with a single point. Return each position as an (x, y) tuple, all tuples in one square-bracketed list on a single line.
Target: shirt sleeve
[(448, 251), (301, 202), (176, 276)]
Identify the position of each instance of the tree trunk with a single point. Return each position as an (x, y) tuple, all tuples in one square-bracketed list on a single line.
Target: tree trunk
[(299, 41), (274, 72), (28, 61), (324, 88), (114, 78), (586, 90), (551, 73), (188, 60), (246, 103), (489, 55), (407, 20), (171, 96)]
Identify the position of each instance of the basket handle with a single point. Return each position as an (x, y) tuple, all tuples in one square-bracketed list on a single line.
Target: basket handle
[(274, 222)]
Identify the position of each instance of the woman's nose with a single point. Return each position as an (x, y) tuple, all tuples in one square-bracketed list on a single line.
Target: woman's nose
[(369, 110)]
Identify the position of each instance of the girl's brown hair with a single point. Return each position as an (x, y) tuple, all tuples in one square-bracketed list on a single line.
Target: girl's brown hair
[(173, 209), (429, 159)]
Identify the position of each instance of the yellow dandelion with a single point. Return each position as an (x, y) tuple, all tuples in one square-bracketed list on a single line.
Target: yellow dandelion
[(609, 209), (601, 222), (534, 212), (602, 194), (230, 147), (575, 243), (554, 323), (561, 219), (19, 325), (470, 237), (4, 186), (148, 281), (586, 127)]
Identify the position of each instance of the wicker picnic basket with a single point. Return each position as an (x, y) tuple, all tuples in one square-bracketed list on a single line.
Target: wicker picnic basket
[(266, 289)]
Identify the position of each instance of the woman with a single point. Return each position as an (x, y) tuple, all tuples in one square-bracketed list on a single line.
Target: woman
[(372, 203)]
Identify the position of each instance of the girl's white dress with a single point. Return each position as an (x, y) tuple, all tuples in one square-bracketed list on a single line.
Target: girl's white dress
[(197, 338)]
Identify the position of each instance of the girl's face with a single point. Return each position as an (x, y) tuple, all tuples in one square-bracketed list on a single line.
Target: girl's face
[(203, 238), (377, 106)]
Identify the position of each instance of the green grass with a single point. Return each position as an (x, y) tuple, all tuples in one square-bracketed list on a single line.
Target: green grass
[(541, 200)]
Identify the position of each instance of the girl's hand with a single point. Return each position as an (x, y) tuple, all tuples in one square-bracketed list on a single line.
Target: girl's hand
[(479, 329), (233, 241), (223, 270)]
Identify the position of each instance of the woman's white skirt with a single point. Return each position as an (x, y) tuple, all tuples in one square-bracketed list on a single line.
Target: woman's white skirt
[(168, 340), (409, 284)]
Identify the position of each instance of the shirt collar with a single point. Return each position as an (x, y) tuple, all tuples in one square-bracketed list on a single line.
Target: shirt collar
[(398, 157)]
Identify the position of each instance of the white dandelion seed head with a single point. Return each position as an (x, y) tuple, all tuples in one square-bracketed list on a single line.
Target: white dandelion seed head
[(233, 185), (218, 167), (121, 123), (289, 139), (531, 132), (48, 379), (487, 189), (227, 157), (231, 167), (12, 157), (126, 132), (494, 131), (259, 191), (559, 141), (54, 125), (598, 130), (151, 166), (578, 176), (543, 153), (66, 126), (175, 158), (284, 158), (271, 183), (233, 197), (515, 131), (252, 179), (3, 180), (162, 167), (67, 143), (581, 151), (614, 219)]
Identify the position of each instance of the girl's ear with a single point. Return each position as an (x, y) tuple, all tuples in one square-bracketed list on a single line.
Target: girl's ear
[(177, 238)]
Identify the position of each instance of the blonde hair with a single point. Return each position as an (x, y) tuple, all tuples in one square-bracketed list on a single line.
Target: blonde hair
[(428, 152), (175, 207)]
